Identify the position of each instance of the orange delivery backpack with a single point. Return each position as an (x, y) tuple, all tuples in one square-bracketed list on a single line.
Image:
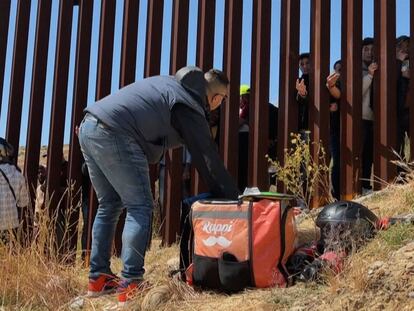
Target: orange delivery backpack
[(239, 244)]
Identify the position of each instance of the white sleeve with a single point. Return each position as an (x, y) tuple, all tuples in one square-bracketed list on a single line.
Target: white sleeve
[(366, 83)]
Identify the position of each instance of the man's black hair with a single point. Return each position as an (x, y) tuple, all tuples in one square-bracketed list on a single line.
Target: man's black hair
[(336, 63), (402, 39), (304, 55), (367, 41), (215, 75)]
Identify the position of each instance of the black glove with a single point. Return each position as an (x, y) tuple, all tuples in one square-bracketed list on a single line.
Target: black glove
[(311, 271), (297, 262)]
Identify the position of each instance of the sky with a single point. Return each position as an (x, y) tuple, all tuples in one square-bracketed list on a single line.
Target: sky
[(402, 27)]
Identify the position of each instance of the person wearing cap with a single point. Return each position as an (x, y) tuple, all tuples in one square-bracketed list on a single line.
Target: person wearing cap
[(244, 113), (120, 136), (243, 136), (244, 105), (13, 192)]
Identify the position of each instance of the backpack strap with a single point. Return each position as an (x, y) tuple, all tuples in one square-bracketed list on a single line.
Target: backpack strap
[(186, 236), (282, 268), (8, 182), (187, 233), (250, 241)]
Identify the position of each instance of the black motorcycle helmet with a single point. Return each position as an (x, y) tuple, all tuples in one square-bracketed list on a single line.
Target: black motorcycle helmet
[(6, 151), (344, 225)]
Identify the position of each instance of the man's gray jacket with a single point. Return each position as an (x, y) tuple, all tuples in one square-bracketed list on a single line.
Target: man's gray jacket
[(163, 112)]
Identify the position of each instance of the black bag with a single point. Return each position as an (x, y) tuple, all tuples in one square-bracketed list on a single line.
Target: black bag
[(186, 231)]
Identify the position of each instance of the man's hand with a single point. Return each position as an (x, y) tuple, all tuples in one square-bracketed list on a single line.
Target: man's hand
[(333, 107), (77, 130), (372, 68), (332, 79), (301, 88), (401, 55), (406, 74)]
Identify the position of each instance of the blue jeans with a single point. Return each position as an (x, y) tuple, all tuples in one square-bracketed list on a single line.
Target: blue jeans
[(119, 172)]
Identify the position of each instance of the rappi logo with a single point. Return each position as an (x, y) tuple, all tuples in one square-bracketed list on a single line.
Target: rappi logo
[(212, 228)]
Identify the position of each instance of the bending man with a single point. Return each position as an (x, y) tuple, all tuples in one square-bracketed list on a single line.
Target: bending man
[(124, 132)]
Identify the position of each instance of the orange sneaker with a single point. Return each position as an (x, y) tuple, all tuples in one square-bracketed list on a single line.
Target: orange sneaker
[(127, 290), (104, 284)]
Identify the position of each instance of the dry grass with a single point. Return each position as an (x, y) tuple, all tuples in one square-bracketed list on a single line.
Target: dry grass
[(35, 277), (30, 280), (33, 281), (35, 271), (304, 172), (351, 290), (354, 288)]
